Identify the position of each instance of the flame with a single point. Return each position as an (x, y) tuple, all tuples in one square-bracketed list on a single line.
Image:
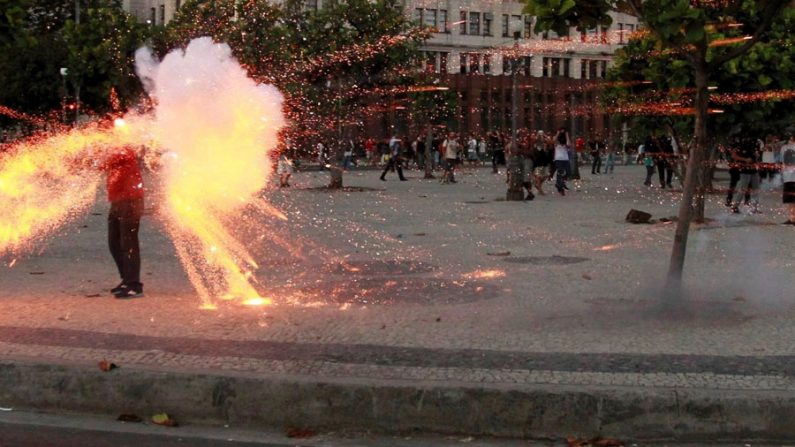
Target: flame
[(219, 129)]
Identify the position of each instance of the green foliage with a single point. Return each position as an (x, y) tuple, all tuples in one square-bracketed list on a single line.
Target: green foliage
[(39, 37), (642, 75)]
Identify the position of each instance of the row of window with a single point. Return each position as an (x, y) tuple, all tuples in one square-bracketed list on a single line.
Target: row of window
[(477, 63)]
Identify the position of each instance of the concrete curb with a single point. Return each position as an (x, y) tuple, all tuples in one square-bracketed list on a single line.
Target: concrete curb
[(542, 411)]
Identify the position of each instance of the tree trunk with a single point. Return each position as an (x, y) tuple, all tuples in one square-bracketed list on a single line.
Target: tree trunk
[(704, 184), (692, 186), (335, 177), (515, 188), (428, 154)]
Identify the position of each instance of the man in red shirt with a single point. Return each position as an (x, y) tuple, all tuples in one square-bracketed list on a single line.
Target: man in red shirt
[(126, 196)]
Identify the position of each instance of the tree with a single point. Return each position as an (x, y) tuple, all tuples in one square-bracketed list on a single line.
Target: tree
[(683, 26), (39, 37), (644, 80), (328, 63)]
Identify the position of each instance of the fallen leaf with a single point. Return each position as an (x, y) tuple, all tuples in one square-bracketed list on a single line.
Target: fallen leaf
[(93, 295), (499, 253), (36, 273), (294, 432), (439, 319), (129, 418), (419, 234), (586, 276), (106, 366), (164, 420)]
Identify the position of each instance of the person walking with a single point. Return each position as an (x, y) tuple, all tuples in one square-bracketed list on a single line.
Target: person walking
[(562, 161), (285, 170), (648, 162), (125, 189), (395, 162), (787, 155), (596, 157), (746, 155), (497, 150)]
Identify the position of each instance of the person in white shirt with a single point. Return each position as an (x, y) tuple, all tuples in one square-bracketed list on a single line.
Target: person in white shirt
[(561, 158), (788, 177), (451, 148)]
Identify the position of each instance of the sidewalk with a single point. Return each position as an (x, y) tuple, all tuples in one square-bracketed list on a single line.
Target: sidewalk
[(454, 312)]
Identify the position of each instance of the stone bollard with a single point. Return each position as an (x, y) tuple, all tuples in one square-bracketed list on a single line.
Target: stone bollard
[(515, 188)]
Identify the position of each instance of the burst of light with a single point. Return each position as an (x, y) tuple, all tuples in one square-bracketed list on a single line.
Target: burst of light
[(258, 301), (119, 122), (487, 274), (606, 247)]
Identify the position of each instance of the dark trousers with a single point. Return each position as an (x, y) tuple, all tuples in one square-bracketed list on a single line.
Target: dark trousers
[(734, 178), (124, 221), (596, 166), (665, 173), (497, 158), (394, 164), (562, 169)]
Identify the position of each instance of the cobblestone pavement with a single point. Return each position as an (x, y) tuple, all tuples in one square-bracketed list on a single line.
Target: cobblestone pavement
[(425, 281)]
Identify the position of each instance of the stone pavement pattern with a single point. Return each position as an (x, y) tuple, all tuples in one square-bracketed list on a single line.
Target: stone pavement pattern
[(420, 281)]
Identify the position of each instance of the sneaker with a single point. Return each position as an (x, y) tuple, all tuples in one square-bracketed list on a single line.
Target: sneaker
[(118, 288), (129, 293)]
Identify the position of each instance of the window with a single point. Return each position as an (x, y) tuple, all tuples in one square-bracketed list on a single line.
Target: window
[(443, 21), (506, 19), (506, 65), (442, 62), (583, 68), (417, 15), (430, 62), (463, 63), (474, 63), (527, 65), (621, 33), (604, 69), (528, 27), (516, 23), (429, 18), (545, 71), (486, 64), (177, 4), (462, 27), (487, 19), (162, 14), (474, 23), (567, 68), (153, 16)]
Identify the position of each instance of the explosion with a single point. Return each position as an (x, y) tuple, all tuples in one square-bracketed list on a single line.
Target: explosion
[(215, 129)]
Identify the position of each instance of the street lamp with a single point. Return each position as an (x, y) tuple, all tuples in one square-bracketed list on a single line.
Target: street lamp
[(515, 187)]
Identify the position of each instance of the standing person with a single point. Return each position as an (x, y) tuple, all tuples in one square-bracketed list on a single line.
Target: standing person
[(596, 158), (497, 151), (541, 161), (648, 162), (321, 155), (395, 160), (347, 155), (451, 147), (369, 149), (667, 157), (285, 170), (562, 162), (126, 196), (734, 172), (482, 149), (746, 155), (420, 151), (610, 159), (524, 150), (472, 149), (787, 155)]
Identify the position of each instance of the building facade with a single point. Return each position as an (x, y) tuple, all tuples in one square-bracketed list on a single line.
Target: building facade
[(473, 48)]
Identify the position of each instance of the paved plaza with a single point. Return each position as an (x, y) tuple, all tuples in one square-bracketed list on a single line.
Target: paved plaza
[(423, 282)]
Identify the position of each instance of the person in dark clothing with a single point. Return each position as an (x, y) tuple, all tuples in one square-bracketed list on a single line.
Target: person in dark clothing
[(395, 160), (497, 144), (126, 196), (596, 157), (746, 154), (665, 162), (734, 176)]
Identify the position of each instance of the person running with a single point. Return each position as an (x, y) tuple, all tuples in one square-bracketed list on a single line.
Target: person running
[(125, 189), (562, 163), (788, 177)]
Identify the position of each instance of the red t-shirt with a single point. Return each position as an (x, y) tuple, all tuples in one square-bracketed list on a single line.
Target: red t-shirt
[(124, 176)]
